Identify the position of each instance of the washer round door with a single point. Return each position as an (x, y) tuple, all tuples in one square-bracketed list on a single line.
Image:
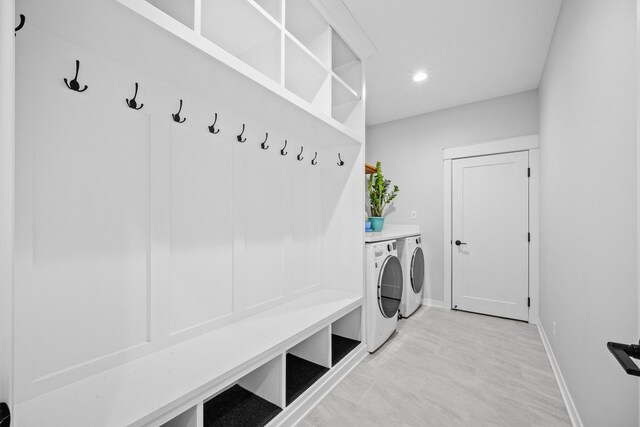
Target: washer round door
[(390, 286), (417, 270)]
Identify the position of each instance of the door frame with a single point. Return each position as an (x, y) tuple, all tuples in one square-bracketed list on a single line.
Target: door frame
[(7, 180), (501, 146)]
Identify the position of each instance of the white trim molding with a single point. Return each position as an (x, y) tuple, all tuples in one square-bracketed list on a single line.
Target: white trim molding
[(508, 145), (7, 196), (564, 391), (446, 304)]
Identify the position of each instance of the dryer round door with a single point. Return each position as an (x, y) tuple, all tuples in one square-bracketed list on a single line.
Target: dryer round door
[(417, 270), (390, 286)]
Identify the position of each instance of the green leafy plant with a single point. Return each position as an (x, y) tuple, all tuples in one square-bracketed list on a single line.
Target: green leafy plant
[(378, 188)]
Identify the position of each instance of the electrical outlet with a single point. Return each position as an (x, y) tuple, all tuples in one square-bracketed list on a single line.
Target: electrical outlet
[(414, 214), (554, 328)]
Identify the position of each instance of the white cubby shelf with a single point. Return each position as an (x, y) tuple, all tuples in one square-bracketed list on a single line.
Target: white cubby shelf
[(173, 387), (288, 42)]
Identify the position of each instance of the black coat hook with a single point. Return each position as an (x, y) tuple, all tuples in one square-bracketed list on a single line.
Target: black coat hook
[(240, 138), (264, 145), (132, 103), (313, 161), (300, 155), (22, 21), (284, 153), (176, 116), (212, 128), (73, 84), (340, 163)]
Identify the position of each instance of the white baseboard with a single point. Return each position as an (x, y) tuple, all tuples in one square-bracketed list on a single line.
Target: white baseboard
[(564, 391), (432, 303)]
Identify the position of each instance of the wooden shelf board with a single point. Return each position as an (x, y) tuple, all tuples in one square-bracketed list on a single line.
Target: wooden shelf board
[(369, 169)]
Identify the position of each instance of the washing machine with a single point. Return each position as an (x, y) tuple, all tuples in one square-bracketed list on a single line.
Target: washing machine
[(383, 292), (412, 260)]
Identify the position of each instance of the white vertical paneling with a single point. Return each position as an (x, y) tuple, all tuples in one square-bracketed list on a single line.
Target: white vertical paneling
[(303, 260), (343, 226), (131, 228), (201, 209), (83, 230), (264, 232)]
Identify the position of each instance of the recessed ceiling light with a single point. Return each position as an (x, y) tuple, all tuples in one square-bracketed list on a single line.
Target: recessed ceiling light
[(420, 76)]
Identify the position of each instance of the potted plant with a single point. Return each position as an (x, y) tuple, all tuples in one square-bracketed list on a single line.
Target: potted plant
[(379, 197)]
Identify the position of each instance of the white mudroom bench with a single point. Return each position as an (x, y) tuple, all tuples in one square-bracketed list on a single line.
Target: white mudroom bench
[(170, 387)]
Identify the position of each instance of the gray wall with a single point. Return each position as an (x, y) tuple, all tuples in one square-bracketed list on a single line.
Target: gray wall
[(411, 154), (588, 204)]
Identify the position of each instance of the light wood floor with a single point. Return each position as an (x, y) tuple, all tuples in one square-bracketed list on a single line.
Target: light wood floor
[(448, 368)]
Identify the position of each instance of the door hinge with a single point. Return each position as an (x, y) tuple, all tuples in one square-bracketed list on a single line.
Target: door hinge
[(529, 302), (529, 172), (528, 237)]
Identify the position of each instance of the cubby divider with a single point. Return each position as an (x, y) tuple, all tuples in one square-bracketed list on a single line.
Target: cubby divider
[(306, 24), (259, 47), (345, 335), (345, 64), (306, 77), (307, 362)]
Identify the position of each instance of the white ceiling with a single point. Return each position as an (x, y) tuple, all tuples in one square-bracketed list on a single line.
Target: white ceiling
[(471, 49)]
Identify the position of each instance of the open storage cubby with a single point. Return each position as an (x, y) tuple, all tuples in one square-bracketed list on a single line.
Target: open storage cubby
[(253, 401), (240, 29), (305, 77), (346, 335), (345, 64), (182, 11), (306, 24), (346, 105), (306, 363)]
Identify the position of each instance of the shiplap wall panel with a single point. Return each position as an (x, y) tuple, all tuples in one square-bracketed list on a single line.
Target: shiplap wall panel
[(201, 239), (82, 286), (264, 226), (304, 259)]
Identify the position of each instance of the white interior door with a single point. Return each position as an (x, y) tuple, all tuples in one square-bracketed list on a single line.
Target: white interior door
[(490, 248)]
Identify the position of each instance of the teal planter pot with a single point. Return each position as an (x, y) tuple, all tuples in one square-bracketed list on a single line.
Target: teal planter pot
[(376, 223)]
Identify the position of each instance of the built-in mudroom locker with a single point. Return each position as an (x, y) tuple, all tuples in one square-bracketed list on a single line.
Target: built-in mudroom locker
[(188, 198)]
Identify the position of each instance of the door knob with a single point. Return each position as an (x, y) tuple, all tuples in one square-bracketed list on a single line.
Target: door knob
[(458, 243)]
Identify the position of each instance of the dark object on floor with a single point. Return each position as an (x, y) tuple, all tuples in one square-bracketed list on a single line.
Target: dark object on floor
[(301, 374), (340, 347), (239, 407)]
